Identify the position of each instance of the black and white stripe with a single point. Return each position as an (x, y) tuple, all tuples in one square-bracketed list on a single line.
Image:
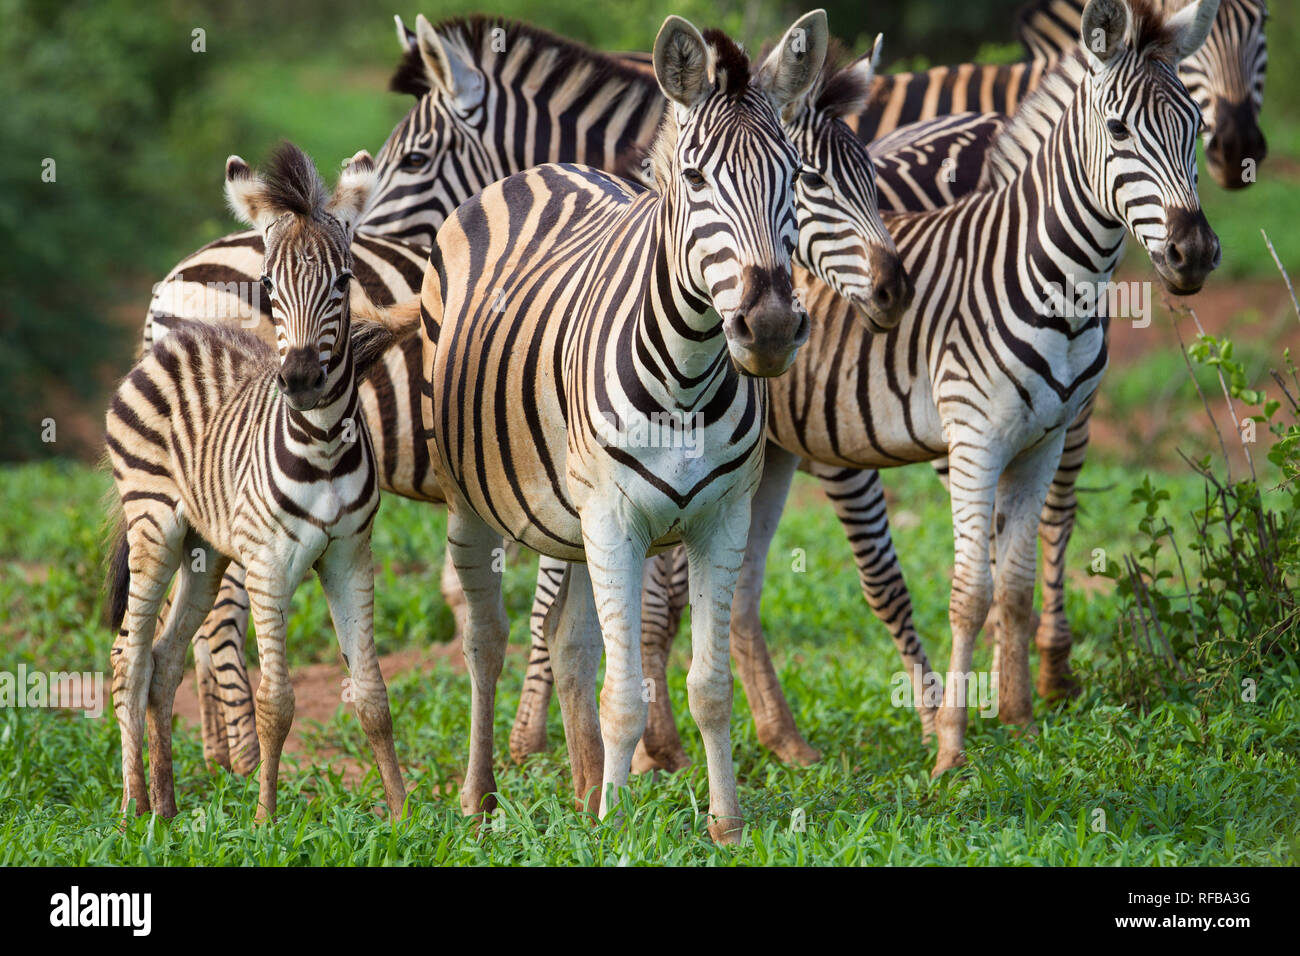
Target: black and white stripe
[(1225, 77), (223, 449), (577, 311)]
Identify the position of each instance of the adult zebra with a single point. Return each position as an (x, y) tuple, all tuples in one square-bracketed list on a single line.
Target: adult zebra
[(220, 450), (997, 394), (841, 239), (581, 314), (1225, 76)]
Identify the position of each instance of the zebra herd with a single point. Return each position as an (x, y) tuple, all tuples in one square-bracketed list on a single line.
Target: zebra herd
[(783, 263)]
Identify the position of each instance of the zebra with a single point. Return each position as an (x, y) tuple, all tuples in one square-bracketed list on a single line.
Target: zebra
[(223, 449), (576, 311), (1225, 76), (1003, 415), (911, 176), (467, 75), (839, 232)]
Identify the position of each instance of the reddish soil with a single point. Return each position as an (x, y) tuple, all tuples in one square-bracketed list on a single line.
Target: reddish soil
[(317, 691)]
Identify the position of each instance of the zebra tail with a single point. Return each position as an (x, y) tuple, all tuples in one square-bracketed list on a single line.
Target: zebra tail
[(119, 577), (375, 330), (117, 580)]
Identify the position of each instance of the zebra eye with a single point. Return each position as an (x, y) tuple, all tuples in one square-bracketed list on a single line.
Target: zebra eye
[(811, 179), (413, 162), (341, 283), (694, 178), (268, 285), (1117, 129)]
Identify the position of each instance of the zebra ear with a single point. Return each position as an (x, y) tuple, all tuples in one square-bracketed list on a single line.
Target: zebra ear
[(791, 68), (246, 194), (353, 190), (683, 62), (1191, 25), (405, 35), (860, 73), (1103, 30), (446, 69)]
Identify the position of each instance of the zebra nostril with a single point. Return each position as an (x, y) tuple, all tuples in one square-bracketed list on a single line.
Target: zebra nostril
[(1174, 255), (743, 332), (885, 296)]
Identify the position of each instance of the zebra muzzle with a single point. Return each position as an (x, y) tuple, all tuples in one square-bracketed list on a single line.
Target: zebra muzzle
[(1189, 254), (764, 334), (301, 379), (891, 293), (1237, 146)]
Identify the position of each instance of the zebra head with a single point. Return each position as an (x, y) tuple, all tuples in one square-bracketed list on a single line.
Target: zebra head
[(1226, 79), (1139, 127), (436, 157), (842, 239), (308, 260), (725, 170)]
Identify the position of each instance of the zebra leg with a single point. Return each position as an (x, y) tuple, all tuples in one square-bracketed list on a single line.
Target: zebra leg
[(154, 539), (470, 542), (225, 676), (347, 577), (452, 594), (270, 589), (1022, 489), (216, 750), (1053, 637), (615, 563), (859, 500), (716, 551), (989, 634), (773, 721), (973, 486), (196, 589), (571, 630), (528, 735), (664, 593)]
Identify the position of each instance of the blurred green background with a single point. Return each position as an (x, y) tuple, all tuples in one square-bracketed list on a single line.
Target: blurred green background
[(138, 124)]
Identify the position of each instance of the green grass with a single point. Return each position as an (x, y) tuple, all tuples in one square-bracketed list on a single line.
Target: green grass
[(1172, 790)]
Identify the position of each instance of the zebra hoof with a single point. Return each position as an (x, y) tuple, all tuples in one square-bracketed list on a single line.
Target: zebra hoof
[(793, 749), (526, 740), (669, 761), (726, 831), (946, 762), (1056, 681)]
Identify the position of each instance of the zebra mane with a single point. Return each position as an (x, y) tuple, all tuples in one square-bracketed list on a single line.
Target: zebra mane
[(1028, 128), (1039, 112), (839, 91), (730, 63), (292, 184), (477, 35)]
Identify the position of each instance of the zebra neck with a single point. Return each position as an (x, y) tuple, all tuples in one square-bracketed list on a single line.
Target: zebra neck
[(322, 435), (1069, 241), (677, 337), (1070, 199)]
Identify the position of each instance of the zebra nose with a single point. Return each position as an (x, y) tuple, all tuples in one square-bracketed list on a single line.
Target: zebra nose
[(1191, 252), (301, 377), (893, 290), (1238, 145), (768, 328)]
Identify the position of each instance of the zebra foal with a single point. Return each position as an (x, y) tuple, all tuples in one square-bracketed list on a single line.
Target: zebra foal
[(221, 451), (576, 308)]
